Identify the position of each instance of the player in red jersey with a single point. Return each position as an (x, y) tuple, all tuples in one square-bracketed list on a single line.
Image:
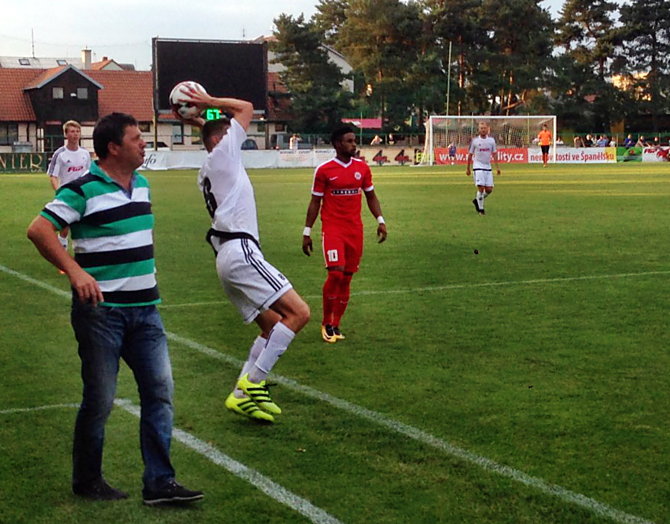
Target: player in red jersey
[(339, 183)]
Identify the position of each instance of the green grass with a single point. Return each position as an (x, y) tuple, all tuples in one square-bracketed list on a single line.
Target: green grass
[(559, 377)]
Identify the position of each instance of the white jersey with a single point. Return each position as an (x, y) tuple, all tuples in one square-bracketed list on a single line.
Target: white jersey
[(224, 182), (482, 150), (68, 165)]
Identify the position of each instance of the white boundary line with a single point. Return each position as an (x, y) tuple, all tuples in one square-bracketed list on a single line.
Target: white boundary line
[(253, 477), (38, 408), (454, 286), (600, 509)]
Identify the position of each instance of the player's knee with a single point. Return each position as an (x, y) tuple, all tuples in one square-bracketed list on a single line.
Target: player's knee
[(301, 314)]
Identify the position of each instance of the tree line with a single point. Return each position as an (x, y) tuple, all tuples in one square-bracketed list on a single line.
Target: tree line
[(502, 57)]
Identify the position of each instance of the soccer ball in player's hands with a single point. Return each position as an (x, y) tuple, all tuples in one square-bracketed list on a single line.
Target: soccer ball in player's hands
[(181, 100)]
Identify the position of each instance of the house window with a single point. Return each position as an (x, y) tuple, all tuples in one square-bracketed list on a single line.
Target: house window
[(177, 134), (24, 61), (9, 133), (82, 93), (57, 92), (61, 62), (145, 127)]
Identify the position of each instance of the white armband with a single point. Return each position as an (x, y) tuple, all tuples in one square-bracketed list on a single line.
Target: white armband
[(307, 231), (381, 220)]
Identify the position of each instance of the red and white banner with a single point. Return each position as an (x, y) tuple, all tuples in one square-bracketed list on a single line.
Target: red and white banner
[(512, 155), (575, 155), (653, 154)]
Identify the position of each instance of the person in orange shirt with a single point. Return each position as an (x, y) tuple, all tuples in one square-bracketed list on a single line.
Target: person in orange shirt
[(545, 142)]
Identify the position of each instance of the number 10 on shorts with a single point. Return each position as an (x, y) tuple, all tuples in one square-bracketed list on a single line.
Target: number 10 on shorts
[(331, 255)]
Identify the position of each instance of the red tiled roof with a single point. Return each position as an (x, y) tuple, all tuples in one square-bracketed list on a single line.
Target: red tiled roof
[(126, 91), (45, 75), (14, 102), (97, 66)]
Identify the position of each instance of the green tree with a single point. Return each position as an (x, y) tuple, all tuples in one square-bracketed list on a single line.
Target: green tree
[(517, 59), (645, 49), (329, 18), (381, 39), (318, 100)]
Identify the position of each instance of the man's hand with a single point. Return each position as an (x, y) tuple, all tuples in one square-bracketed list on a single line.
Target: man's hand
[(467, 171), (86, 286), (307, 246), (381, 233), (498, 172), (194, 121)]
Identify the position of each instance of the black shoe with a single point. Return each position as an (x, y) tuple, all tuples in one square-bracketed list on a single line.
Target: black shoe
[(99, 490), (482, 212), (171, 492), (474, 201), (338, 334)]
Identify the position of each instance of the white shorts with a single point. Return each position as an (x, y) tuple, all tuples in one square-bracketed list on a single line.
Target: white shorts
[(483, 177), (252, 285)]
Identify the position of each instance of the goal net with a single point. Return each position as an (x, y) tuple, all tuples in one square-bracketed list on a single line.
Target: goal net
[(510, 133)]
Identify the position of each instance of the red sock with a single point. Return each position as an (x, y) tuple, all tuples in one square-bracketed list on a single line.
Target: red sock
[(330, 293), (342, 300)]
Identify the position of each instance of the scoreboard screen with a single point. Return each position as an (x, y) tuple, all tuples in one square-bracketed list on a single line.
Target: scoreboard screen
[(223, 68)]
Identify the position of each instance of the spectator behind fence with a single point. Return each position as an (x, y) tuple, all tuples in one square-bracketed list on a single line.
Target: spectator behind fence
[(588, 141), (628, 141), (376, 141), (559, 141), (578, 141), (602, 141), (641, 142)]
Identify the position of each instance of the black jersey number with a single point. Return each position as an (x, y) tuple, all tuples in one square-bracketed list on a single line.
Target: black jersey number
[(210, 200)]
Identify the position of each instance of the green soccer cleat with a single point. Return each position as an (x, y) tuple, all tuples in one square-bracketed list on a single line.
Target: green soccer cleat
[(247, 407), (259, 394)]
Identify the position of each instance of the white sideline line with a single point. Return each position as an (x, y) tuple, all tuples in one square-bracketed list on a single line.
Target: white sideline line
[(455, 286), (253, 477), (38, 408), (600, 509)]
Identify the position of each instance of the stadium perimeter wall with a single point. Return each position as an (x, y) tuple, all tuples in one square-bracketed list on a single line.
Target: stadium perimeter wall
[(374, 156)]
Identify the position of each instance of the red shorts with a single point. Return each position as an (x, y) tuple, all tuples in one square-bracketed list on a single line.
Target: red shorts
[(343, 248)]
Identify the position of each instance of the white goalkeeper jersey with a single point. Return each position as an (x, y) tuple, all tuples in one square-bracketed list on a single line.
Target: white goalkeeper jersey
[(224, 182), (482, 150)]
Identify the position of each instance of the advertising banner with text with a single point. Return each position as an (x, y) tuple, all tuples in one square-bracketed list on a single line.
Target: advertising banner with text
[(510, 155), (576, 155), (652, 154), (23, 162)]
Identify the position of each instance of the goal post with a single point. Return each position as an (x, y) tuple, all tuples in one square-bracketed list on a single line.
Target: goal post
[(510, 132)]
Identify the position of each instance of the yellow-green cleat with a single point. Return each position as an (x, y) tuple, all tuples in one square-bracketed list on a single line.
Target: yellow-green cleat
[(259, 394), (337, 333), (327, 334), (247, 407)]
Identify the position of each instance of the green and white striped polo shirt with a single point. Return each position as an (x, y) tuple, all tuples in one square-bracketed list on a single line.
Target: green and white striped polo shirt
[(112, 234)]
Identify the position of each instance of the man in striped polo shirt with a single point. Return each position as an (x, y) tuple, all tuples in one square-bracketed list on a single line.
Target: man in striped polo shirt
[(114, 311)]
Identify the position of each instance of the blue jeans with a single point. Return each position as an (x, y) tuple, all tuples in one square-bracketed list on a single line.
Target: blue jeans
[(136, 334)]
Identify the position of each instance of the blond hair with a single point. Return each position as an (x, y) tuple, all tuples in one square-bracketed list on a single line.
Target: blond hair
[(71, 123)]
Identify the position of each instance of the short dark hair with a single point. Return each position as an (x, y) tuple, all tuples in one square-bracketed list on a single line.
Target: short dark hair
[(108, 129), (336, 136), (213, 127)]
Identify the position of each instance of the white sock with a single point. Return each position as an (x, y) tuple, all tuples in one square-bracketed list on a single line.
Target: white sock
[(254, 352), (63, 241), (278, 341), (480, 200), (485, 194)]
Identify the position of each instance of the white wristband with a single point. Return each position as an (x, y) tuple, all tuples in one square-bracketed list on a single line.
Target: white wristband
[(307, 231), (380, 219)]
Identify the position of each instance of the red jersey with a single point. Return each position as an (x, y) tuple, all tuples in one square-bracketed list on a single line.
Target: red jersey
[(341, 186)]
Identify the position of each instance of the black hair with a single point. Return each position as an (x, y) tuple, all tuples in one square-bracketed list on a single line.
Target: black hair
[(213, 127), (110, 128), (338, 133)]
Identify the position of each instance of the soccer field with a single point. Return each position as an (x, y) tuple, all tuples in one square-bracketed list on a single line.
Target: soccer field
[(525, 384)]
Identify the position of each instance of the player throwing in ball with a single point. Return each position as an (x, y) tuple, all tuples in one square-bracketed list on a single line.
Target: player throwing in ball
[(259, 291), (339, 184), (482, 149)]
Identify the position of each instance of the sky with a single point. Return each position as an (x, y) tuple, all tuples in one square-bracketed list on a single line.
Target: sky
[(124, 32)]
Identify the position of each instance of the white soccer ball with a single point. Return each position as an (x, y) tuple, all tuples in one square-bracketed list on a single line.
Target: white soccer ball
[(179, 99)]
